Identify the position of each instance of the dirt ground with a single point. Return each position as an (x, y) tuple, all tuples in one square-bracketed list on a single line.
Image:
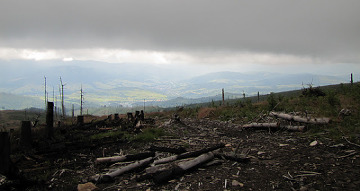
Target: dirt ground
[(279, 160)]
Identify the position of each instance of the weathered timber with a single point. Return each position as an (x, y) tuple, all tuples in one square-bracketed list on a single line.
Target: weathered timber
[(178, 150), (188, 154), (323, 120), (50, 119), (273, 126), (182, 168), (110, 176), (25, 136), (124, 158), (261, 125)]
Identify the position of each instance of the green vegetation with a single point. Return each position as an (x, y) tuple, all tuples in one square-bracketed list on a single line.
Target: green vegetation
[(148, 135), (317, 102)]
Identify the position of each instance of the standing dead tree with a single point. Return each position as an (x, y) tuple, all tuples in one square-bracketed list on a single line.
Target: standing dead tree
[(62, 98), (81, 100)]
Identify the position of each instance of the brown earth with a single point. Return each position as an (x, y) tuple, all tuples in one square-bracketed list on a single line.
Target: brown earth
[(278, 161)]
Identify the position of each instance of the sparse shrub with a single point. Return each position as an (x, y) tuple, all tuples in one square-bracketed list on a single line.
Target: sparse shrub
[(332, 99), (272, 101), (312, 92)]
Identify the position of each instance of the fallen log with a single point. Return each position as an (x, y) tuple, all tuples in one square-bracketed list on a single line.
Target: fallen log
[(261, 125), (178, 150), (182, 168), (188, 154), (323, 120), (273, 126), (133, 157), (108, 177)]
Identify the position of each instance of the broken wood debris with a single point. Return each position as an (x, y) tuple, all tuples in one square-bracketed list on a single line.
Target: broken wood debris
[(162, 170), (274, 126), (323, 120), (121, 158), (188, 154), (108, 177), (182, 168)]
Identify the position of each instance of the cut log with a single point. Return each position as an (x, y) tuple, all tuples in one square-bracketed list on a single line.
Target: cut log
[(133, 157), (323, 120), (182, 168), (110, 176), (188, 154), (261, 125)]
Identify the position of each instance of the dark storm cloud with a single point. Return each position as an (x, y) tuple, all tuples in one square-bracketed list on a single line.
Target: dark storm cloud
[(319, 28)]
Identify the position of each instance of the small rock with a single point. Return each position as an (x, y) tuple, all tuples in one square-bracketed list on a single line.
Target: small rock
[(313, 143), (237, 183), (89, 186)]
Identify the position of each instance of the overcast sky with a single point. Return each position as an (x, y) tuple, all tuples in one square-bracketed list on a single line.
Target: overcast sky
[(231, 34)]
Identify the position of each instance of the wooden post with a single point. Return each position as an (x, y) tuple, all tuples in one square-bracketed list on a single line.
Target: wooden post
[(80, 119), (50, 119), (351, 79), (223, 97), (5, 153), (25, 137)]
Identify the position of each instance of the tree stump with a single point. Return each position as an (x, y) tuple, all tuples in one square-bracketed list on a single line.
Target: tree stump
[(50, 119), (80, 120)]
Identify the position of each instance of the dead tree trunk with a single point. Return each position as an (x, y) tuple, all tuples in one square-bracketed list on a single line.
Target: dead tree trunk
[(183, 168), (188, 154), (109, 176), (25, 137), (124, 158), (50, 119), (289, 117), (261, 125), (5, 153)]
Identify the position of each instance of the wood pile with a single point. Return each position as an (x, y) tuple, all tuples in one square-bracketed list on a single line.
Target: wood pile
[(161, 170)]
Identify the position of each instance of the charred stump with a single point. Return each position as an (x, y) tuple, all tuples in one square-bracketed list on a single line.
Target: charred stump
[(50, 119)]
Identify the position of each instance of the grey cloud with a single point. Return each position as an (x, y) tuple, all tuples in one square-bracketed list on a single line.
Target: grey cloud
[(321, 28)]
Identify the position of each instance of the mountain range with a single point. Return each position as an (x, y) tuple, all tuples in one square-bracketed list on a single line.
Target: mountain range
[(132, 84)]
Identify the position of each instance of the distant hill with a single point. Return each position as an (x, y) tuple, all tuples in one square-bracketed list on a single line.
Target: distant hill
[(12, 102), (128, 84)]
